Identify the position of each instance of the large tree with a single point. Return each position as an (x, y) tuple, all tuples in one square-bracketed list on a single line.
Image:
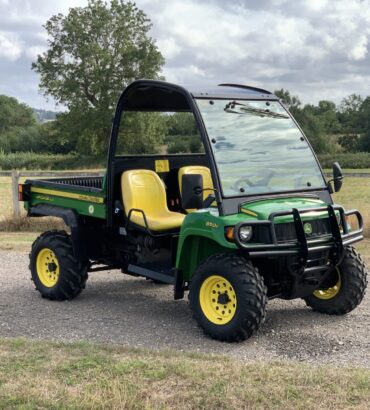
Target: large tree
[(93, 53)]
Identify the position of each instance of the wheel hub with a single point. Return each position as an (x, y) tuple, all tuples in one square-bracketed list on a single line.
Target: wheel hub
[(52, 267), (217, 299), (223, 299), (47, 267)]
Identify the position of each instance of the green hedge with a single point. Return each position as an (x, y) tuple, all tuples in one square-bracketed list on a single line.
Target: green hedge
[(346, 160), (36, 161)]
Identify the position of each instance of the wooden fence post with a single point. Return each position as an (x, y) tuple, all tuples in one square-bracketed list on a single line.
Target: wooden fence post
[(15, 181)]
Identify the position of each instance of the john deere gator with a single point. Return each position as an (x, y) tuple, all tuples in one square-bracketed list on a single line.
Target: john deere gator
[(247, 218)]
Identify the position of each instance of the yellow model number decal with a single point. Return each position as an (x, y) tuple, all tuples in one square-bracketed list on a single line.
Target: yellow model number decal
[(211, 224), (44, 198), (72, 195)]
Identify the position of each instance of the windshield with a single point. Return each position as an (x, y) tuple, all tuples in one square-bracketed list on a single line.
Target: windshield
[(258, 148)]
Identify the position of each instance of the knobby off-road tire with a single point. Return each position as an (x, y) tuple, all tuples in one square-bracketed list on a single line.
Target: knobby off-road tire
[(347, 289), (238, 315), (55, 271)]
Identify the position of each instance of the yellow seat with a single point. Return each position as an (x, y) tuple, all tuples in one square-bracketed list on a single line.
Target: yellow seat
[(143, 189), (206, 176)]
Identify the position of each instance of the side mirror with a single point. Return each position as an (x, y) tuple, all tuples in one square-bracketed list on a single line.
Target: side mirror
[(337, 177), (192, 191)]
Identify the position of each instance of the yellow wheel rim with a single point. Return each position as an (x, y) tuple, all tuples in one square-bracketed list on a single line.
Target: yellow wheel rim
[(218, 300), (329, 293), (47, 267)]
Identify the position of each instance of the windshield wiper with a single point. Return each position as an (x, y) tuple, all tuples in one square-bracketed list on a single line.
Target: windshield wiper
[(247, 109)]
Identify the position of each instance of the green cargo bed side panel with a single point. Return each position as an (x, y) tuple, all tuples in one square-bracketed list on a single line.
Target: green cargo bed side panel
[(88, 204)]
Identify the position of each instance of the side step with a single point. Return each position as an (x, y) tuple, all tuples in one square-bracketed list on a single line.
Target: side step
[(165, 277)]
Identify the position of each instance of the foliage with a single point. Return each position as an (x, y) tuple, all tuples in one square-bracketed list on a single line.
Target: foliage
[(350, 121), (183, 134), (94, 52), (346, 160), (350, 143), (182, 123), (307, 118), (292, 102), (184, 144), (326, 114), (17, 124), (32, 160), (348, 114), (14, 114), (141, 133)]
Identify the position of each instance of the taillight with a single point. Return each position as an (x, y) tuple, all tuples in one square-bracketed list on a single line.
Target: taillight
[(20, 192), (23, 192)]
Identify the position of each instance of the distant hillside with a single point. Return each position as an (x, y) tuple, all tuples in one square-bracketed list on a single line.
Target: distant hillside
[(43, 115)]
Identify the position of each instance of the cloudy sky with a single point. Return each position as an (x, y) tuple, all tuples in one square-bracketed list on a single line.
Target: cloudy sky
[(318, 49)]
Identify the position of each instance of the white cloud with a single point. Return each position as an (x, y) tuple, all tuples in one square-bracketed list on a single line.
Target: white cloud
[(169, 47), (315, 48), (359, 50), (308, 46), (10, 46)]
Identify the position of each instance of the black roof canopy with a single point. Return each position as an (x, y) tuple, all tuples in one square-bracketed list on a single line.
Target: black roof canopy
[(153, 95)]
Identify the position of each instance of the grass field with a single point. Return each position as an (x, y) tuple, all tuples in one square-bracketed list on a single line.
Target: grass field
[(80, 375), (355, 193)]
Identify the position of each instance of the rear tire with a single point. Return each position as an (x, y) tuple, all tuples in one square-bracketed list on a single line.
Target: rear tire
[(55, 271), (347, 290), (219, 282)]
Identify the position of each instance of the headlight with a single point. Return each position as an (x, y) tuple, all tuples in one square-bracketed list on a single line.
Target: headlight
[(245, 233)]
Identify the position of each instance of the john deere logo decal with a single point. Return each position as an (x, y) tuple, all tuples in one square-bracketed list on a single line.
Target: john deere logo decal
[(307, 229)]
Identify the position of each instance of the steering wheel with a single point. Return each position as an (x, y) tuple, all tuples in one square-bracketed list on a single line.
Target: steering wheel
[(245, 180)]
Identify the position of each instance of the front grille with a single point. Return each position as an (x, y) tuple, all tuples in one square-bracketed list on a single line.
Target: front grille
[(287, 232)]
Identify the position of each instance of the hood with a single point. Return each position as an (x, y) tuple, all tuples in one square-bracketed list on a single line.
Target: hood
[(261, 209)]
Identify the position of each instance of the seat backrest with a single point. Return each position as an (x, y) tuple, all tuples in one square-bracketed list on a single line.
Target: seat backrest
[(143, 189), (206, 176)]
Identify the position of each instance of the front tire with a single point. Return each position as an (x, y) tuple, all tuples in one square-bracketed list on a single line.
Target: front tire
[(228, 297), (345, 289), (55, 271)]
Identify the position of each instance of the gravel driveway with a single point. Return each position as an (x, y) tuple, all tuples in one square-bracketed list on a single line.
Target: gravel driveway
[(115, 308)]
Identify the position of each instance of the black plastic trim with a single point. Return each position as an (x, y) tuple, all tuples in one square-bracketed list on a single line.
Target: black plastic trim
[(151, 274), (69, 216), (59, 184)]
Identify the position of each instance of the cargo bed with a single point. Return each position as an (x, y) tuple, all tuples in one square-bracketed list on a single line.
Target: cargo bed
[(85, 195)]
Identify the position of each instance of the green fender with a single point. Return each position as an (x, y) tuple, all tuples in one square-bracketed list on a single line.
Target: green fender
[(202, 234), (194, 251)]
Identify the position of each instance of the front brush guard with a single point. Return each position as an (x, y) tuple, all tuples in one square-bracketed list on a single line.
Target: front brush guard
[(306, 278)]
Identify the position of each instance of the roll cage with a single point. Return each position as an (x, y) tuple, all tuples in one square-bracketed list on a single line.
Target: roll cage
[(161, 96)]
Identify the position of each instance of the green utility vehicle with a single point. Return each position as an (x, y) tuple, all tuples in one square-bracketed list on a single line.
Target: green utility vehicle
[(247, 218)]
